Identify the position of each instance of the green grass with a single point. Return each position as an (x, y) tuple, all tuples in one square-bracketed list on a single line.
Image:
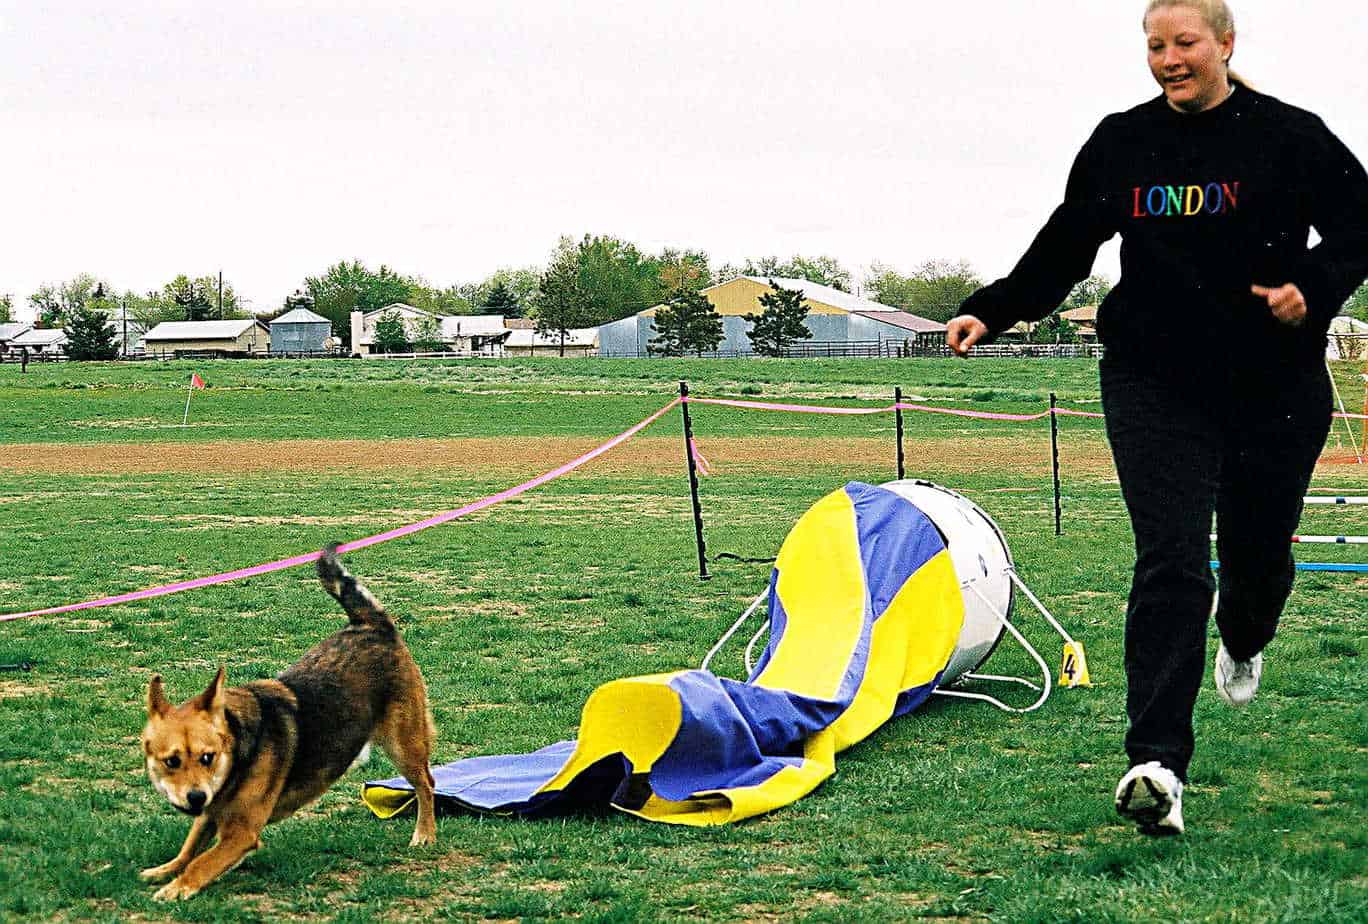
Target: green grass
[(516, 613)]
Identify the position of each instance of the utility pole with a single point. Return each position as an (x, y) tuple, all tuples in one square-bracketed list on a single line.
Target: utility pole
[(220, 307)]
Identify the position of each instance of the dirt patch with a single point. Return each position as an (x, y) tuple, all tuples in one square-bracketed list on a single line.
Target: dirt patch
[(530, 455), (1083, 456)]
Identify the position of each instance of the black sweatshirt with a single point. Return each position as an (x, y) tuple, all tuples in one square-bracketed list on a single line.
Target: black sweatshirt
[(1206, 204)]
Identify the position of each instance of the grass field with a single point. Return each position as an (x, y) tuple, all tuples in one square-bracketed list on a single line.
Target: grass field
[(518, 612)]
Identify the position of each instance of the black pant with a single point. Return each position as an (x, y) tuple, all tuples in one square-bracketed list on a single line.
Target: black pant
[(1185, 449)]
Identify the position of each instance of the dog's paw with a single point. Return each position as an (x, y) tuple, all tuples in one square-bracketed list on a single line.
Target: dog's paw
[(173, 891), (423, 838), (159, 873)]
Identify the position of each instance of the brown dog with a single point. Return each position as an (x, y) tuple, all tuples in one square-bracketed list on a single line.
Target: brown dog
[(239, 758)]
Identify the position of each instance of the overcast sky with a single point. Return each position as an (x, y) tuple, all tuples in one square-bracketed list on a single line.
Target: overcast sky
[(140, 139)]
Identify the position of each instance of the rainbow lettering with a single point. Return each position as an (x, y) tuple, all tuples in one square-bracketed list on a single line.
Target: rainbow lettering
[(1185, 200)]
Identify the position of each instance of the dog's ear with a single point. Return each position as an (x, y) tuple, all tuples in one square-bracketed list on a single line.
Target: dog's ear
[(211, 700), (156, 698)]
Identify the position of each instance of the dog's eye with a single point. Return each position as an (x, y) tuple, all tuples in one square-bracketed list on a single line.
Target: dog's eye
[(172, 762), (207, 758)]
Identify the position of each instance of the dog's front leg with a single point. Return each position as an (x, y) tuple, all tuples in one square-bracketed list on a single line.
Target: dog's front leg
[(201, 830), (238, 836)]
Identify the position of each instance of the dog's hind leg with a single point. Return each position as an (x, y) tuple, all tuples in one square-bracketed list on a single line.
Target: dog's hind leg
[(406, 735), (200, 831)]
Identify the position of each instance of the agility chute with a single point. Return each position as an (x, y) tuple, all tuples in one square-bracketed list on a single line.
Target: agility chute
[(865, 610)]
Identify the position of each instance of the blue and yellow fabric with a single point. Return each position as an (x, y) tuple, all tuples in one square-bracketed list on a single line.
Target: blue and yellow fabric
[(865, 611)]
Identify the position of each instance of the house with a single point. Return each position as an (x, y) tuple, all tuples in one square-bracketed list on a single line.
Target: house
[(481, 334), (300, 331), (1085, 320), (833, 316), (239, 337), (9, 331), (49, 341), (531, 342), (416, 321), (475, 333)]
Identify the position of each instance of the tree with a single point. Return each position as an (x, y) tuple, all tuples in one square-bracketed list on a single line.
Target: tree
[(1054, 329), (147, 311), (190, 297), (1088, 293), (89, 334), (390, 336), (683, 269), (299, 299), (347, 287), (501, 300), (562, 304), (617, 279), (933, 290), (53, 304), (781, 323), (427, 335), (825, 271), (47, 309), (6, 308), (1357, 306), (522, 285), (686, 323), (450, 300)]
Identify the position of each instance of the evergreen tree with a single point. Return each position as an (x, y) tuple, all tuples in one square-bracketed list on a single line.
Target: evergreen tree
[(89, 335), (6, 309), (562, 303), (686, 323), (191, 298), (781, 323), (502, 301)]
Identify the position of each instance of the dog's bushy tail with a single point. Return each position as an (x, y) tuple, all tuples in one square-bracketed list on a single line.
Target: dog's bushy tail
[(361, 606)]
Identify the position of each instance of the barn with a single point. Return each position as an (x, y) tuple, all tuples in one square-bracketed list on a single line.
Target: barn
[(240, 337), (834, 317)]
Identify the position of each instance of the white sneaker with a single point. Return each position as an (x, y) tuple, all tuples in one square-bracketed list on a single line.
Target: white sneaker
[(1237, 681), (1151, 795)]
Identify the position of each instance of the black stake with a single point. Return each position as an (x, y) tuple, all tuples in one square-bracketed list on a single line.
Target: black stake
[(693, 482), (897, 413), (1054, 463)]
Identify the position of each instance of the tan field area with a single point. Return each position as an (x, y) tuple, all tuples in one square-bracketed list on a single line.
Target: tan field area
[(641, 455)]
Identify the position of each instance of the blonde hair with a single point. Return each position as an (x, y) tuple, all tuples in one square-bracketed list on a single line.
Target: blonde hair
[(1215, 13)]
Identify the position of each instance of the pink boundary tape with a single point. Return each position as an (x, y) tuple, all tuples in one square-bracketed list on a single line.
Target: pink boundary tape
[(357, 544), (704, 468), (956, 412)]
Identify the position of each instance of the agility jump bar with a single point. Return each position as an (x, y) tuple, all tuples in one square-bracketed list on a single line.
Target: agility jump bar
[(1338, 500), (1326, 540), (1319, 566), (308, 557)]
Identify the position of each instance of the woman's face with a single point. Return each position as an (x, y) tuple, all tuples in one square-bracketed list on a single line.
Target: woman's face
[(1187, 59)]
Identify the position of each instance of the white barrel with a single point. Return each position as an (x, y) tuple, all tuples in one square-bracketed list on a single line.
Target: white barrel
[(981, 559)]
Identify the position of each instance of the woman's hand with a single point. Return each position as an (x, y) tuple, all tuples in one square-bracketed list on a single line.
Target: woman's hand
[(962, 332), (1286, 302)]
